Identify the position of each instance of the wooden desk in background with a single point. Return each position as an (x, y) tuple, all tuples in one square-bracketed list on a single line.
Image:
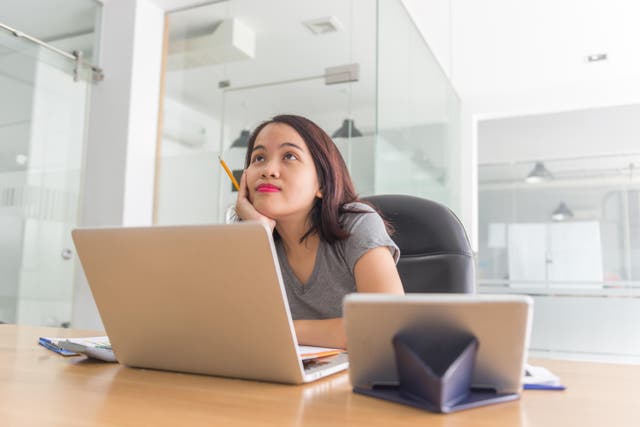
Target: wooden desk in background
[(41, 388)]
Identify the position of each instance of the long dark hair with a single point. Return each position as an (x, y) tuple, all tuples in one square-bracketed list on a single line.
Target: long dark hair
[(335, 182)]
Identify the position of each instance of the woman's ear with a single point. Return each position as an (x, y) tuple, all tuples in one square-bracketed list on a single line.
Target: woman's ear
[(319, 194)]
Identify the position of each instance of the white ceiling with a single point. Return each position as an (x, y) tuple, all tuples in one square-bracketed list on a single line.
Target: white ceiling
[(510, 57)]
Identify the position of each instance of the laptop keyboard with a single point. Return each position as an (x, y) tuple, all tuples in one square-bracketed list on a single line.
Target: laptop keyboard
[(312, 364)]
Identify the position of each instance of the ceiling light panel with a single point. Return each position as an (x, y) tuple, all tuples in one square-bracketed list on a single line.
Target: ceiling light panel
[(329, 24)]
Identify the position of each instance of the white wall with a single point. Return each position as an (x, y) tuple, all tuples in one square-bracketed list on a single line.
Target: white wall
[(510, 50), (433, 19), (560, 135), (596, 326), (189, 170)]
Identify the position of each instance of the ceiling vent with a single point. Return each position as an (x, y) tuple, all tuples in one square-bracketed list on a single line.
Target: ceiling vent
[(329, 24), (230, 41), (596, 57)]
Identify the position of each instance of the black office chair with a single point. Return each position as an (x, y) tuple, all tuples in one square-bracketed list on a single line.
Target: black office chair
[(435, 254)]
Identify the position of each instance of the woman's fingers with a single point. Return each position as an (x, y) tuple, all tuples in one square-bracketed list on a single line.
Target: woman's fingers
[(242, 197), (244, 207), (242, 191)]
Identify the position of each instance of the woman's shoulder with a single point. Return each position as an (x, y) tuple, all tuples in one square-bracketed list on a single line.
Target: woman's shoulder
[(357, 208), (367, 230), (359, 215)]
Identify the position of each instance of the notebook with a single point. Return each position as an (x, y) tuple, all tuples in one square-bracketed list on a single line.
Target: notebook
[(205, 299), (500, 323)]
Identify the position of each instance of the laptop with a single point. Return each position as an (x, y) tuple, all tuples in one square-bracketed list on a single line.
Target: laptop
[(501, 325), (205, 299)]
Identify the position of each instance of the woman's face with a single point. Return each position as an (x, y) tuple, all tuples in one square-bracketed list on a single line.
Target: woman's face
[(281, 176)]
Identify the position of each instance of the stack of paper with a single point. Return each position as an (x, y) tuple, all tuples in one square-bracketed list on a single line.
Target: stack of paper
[(100, 348), (95, 347), (308, 352), (539, 378)]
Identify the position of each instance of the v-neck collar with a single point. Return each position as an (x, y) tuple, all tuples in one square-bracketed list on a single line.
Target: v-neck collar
[(298, 286)]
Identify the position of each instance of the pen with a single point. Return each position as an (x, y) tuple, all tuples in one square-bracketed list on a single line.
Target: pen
[(228, 171), (543, 387)]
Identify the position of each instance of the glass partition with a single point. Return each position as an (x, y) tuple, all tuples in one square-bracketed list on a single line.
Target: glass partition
[(571, 240), (211, 104), (418, 141), (42, 115), (403, 112), (577, 229)]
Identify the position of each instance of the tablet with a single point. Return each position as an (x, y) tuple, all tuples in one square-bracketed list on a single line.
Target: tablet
[(500, 323)]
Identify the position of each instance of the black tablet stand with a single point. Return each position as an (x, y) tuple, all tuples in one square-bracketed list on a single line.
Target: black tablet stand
[(434, 372)]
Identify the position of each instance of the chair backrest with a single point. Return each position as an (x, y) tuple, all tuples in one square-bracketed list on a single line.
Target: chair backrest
[(435, 254)]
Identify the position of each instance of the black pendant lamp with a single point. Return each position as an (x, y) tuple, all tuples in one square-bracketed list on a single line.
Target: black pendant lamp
[(562, 212), (539, 173), (347, 130), (242, 141)]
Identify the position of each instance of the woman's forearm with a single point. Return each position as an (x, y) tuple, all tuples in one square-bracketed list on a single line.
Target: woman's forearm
[(321, 333)]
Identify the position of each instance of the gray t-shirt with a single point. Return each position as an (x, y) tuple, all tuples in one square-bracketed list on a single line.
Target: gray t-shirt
[(332, 277)]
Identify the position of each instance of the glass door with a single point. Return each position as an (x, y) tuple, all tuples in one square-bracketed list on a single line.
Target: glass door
[(42, 115)]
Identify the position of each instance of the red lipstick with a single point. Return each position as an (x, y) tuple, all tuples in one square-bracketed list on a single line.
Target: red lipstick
[(267, 188)]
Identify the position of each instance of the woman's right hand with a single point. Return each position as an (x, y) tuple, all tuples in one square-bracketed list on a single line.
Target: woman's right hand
[(245, 209)]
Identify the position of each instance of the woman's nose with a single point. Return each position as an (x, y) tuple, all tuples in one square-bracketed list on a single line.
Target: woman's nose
[(270, 170)]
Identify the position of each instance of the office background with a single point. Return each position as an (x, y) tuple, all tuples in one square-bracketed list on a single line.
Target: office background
[(457, 101)]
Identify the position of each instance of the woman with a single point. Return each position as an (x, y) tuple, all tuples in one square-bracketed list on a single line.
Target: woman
[(328, 243)]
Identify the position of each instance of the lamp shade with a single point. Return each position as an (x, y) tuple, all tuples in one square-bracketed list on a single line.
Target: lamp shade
[(242, 141), (347, 130), (539, 173), (562, 212)]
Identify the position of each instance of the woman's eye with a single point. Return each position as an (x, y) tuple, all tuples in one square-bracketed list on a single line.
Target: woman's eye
[(258, 158), (290, 156)]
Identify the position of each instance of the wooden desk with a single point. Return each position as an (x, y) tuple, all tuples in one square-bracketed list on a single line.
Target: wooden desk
[(41, 388)]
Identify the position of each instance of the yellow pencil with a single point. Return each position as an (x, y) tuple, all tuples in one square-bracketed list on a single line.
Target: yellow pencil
[(228, 171)]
